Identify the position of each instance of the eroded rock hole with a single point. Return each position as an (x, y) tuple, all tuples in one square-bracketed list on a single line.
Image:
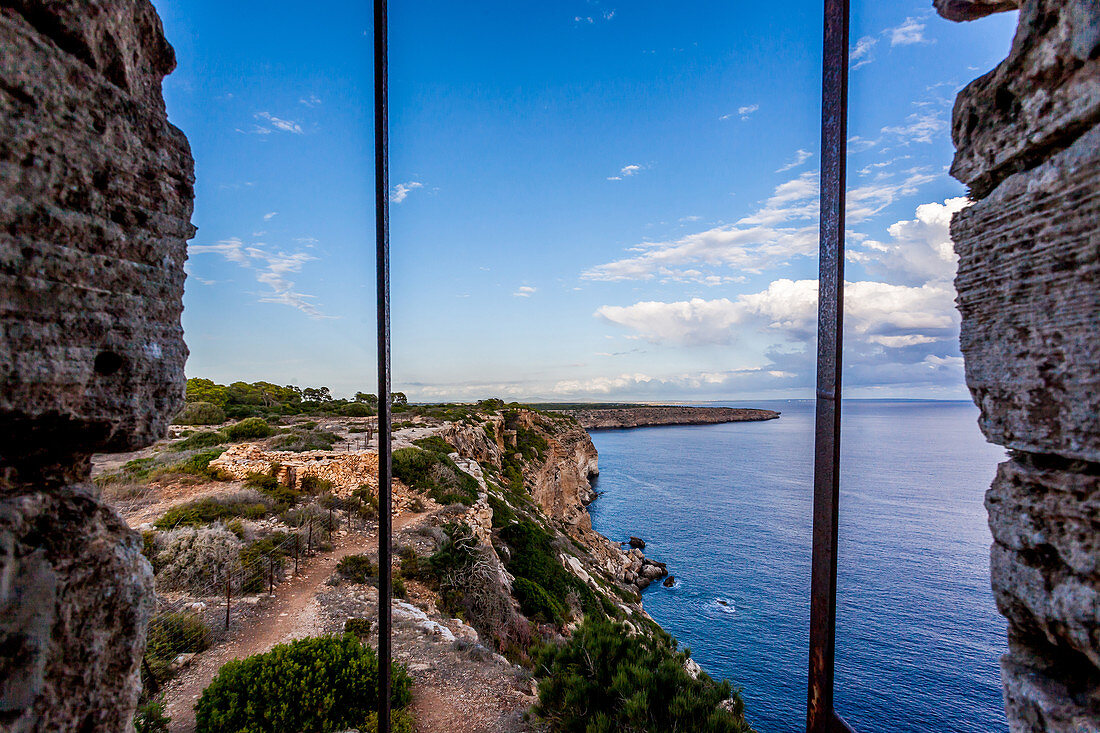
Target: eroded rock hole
[(107, 363)]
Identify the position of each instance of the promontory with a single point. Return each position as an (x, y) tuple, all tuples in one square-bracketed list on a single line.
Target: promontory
[(636, 417)]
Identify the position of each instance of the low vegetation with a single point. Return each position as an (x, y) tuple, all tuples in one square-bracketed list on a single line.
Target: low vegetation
[(312, 684), (606, 679), (431, 472), (171, 634), (209, 509)]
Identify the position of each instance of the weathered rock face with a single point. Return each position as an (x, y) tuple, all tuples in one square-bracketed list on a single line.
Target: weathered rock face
[(95, 206), (1028, 145), (561, 484)]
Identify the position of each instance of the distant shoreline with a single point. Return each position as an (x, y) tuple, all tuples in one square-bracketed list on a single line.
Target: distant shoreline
[(614, 418)]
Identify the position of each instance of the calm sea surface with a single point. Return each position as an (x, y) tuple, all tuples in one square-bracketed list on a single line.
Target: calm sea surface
[(728, 507)]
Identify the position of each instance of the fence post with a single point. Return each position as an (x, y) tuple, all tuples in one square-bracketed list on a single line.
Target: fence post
[(228, 586), (330, 525)]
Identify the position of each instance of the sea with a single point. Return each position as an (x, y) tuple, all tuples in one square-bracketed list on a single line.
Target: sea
[(729, 509)]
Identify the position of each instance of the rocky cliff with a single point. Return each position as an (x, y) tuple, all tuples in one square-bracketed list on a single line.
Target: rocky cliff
[(636, 417)]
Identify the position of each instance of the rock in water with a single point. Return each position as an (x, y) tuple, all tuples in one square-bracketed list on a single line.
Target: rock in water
[(669, 581), (637, 542)]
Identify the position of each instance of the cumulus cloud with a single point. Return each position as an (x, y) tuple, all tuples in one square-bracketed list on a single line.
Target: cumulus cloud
[(525, 291), (800, 157), (626, 171), (401, 191), (911, 31), (919, 250)]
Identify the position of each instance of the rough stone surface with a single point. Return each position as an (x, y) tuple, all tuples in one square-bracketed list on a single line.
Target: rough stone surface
[(1029, 263), (1037, 101), (74, 602), (973, 9), (96, 192), (1028, 145)]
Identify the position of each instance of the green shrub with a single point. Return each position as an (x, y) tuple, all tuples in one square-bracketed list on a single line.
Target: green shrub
[(173, 633), (209, 509), (314, 485), (533, 557), (299, 441), (260, 559), (358, 569), (502, 513), (313, 684), (435, 474), (398, 585), (264, 482), (400, 722), (251, 428), (199, 464), (355, 409), (150, 718), (358, 626), (202, 439), (536, 603), (200, 413), (435, 444), (605, 679)]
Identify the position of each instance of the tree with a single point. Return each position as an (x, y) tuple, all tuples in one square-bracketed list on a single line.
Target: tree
[(205, 390), (399, 398), (370, 399), (316, 394)]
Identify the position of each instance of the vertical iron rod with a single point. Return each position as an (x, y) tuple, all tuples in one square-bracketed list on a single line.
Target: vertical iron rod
[(382, 272), (820, 716)]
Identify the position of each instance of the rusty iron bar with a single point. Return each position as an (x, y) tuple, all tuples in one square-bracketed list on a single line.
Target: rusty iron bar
[(820, 715), (382, 276)]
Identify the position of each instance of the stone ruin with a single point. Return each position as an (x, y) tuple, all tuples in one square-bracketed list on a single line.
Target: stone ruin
[(1028, 146), (96, 192)]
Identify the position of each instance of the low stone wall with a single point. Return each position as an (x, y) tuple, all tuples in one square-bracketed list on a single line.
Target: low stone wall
[(346, 471), (1028, 147)]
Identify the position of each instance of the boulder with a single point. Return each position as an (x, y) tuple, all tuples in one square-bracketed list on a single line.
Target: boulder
[(637, 543)]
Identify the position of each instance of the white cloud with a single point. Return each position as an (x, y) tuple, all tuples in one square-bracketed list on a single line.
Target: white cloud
[(860, 54), (270, 215), (919, 249), (278, 124), (524, 291), (311, 101), (271, 269), (747, 110), (583, 19), (857, 144), (800, 157), (401, 191), (918, 128), (909, 32)]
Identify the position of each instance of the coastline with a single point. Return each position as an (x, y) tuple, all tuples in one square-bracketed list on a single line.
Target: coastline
[(614, 418)]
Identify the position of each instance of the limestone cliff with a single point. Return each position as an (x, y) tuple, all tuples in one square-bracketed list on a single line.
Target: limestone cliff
[(636, 417)]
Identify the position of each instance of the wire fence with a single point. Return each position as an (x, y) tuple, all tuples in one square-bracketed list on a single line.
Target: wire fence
[(203, 602)]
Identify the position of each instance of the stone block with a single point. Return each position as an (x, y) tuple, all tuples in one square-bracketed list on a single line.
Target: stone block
[(74, 603), (1029, 264), (1037, 101), (96, 193)]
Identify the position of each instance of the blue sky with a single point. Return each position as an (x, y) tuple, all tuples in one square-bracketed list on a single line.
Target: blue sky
[(591, 200)]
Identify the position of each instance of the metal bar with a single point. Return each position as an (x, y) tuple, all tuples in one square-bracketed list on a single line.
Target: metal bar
[(820, 717), (382, 271)]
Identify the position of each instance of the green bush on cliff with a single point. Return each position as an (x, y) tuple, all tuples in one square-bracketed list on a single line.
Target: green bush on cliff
[(533, 558), (313, 684), (433, 473), (606, 679), (251, 428)]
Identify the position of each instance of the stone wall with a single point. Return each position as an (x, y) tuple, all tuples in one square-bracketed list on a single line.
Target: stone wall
[(96, 192), (1028, 146)]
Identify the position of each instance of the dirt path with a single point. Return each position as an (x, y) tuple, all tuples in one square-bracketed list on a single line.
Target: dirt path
[(292, 614)]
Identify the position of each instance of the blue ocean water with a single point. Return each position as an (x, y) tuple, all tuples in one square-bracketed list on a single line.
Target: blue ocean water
[(728, 507)]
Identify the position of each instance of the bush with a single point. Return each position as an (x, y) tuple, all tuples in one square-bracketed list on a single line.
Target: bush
[(247, 504), (200, 413), (173, 633), (605, 679), (312, 684), (536, 603), (435, 474), (203, 439), (303, 440), (358, 626), (355, 409), (358, 569), (261, 558), (199, 464), (398, 587), (251, 428), (435, 444), (197, 560), (150, 718), (314, 485)]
